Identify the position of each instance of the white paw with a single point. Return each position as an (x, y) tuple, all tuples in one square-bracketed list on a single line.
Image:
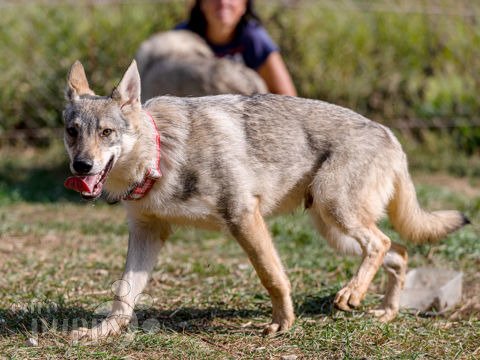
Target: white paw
[(111, 326), (384, 314)]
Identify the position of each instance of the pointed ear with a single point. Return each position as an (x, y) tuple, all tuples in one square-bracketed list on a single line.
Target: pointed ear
[(77, 83), (128, 90)]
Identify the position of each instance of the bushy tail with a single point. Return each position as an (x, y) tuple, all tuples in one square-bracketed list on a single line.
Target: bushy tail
[(415, 224)]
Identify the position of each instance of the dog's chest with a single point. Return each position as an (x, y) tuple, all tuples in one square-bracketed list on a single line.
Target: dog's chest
[(196, 211)]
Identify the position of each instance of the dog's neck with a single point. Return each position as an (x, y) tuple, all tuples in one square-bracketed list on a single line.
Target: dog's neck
[(137, 170), (138, 191)]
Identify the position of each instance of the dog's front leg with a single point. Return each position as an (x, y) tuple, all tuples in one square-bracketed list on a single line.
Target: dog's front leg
[(252, 234), (144, 243)]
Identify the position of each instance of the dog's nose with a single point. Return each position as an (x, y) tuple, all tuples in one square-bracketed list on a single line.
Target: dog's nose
[(82, 166)]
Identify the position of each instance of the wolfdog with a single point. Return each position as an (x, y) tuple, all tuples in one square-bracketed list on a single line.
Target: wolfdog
[(180, 63), (226, 162)]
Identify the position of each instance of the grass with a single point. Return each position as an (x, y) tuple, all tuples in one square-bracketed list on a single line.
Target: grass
[(59, 257)]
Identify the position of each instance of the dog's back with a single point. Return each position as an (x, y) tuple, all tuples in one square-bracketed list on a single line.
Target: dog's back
[(180, 63), (266, 144)]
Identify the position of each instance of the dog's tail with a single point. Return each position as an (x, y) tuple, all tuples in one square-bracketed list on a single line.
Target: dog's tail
[(415, 224)]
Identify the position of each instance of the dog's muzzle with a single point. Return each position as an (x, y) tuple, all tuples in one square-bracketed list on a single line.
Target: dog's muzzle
[(89, 186)]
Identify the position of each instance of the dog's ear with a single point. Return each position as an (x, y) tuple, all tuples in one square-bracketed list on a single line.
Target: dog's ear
[(77, 83), (128, 90)]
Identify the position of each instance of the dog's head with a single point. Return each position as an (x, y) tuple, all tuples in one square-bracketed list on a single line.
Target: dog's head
[(98, 129)]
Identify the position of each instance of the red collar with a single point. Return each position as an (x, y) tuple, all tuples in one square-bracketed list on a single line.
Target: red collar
[(151, 175)]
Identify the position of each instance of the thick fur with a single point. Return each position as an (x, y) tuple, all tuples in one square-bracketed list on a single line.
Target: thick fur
[(415, 224), (180, 63), (228, 161)]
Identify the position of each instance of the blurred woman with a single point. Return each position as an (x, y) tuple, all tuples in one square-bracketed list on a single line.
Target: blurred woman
[(232, 29)]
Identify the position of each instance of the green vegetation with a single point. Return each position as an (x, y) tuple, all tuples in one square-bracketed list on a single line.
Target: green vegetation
[(42, 43)]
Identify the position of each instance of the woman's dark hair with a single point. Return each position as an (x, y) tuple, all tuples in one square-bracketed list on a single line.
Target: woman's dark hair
[(198, 23)]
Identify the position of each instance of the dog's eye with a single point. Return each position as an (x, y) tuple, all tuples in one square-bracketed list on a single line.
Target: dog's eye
[(107, 132), (72, 131)]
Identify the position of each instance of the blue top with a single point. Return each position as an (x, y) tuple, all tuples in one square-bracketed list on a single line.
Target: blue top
[(250, 46)]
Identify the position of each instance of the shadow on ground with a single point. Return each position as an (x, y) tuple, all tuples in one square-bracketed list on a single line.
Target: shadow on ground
[(311, 305), (184, 319)]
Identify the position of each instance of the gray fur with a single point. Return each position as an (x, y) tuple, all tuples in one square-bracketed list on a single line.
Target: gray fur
[(227, 161), (180, 63)]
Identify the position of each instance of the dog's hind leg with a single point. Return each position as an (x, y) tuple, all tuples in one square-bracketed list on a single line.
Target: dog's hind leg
[(336, 238), (366, 240), (395, 264), (144, 243), (251, 232), (374, 245), (361, 240), (350, 194)]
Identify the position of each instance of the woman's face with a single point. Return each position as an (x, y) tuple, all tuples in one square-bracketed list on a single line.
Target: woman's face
[(224, 13)]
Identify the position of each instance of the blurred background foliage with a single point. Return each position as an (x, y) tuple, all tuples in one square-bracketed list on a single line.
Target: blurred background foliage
[(413, 65)]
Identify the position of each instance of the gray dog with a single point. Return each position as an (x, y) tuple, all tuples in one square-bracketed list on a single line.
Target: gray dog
[(180, 63), (225, 162)]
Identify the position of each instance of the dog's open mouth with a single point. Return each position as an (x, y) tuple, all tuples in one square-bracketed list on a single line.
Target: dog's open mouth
[(89, 186)]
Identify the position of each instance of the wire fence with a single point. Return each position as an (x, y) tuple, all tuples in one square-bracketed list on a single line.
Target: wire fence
[(410, 64)]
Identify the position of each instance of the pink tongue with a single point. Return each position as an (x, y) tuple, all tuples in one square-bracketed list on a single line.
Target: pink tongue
[(81, 183)]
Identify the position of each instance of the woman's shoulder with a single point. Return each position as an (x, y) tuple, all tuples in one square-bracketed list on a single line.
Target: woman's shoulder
[(256, 36), (253, 30), (257, 44)]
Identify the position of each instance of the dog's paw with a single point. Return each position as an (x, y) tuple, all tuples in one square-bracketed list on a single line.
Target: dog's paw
[(275, 328), (79, 334), (348, 299), (384, 314), (279, 326), (111, 326)]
